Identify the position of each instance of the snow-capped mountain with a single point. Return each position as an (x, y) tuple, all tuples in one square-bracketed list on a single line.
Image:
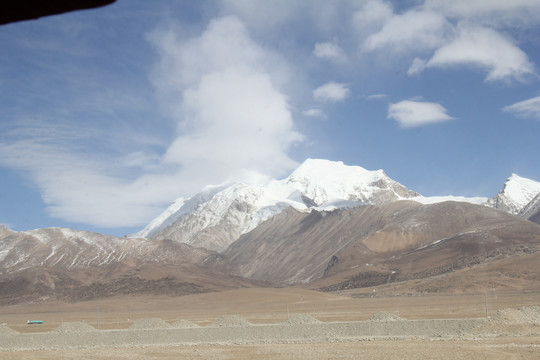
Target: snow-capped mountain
[(327, 182), (218, 215), (179, 208), (176, 252), (516, 193)]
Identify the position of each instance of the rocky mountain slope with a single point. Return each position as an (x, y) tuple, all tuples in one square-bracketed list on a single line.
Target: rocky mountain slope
[(531, 211), (72, 249), (75, 265), (373, 245)]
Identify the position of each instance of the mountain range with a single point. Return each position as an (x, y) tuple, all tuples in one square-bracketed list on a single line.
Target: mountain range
[(328, 226), (218, 215)]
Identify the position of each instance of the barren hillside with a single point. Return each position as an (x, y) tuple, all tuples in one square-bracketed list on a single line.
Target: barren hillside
[(374, 245)]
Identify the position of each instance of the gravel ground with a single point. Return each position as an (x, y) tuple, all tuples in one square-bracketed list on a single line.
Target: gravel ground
[(231, 321), (301, 319), (184, 324), (231, 333), (74, 327), (300, 329), (149, 324), (382, 316), (5, 331), (489, 349)]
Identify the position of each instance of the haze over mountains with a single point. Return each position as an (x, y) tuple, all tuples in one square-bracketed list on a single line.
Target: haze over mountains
[(329, 225)]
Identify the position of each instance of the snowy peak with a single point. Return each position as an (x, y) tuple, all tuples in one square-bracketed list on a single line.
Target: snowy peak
[(321, 168), (332, 175), (326, 181), (217, 216), (520, 189), (516, 193)]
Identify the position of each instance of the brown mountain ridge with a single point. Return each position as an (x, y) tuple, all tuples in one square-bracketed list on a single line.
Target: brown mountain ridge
[(64, 264), (375, 245), (402, 247)]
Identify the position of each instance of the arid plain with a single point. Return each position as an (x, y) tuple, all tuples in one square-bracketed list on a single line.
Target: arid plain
[(511, 331)]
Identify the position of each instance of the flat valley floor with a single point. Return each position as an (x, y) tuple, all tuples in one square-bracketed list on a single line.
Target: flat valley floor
[(283, 323)]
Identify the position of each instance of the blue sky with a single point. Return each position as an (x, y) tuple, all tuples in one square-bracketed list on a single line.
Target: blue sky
[(109, 115)]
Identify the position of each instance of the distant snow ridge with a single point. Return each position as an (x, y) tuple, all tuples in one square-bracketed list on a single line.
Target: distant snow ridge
[(217, 221), (180, 207), (426, 200), (516, 193)]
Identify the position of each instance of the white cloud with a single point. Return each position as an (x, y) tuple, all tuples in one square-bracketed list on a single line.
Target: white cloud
[(528, 108), (332, 92), (416, 67), (414, 113), (373, 14), (475, 40), (273, 18), (221, 88), (330, 51), (232, 113), (237, 120), (484, 48), (377, 97), (76, 188), (469, 8), (261, 13), (411, 30), (225, 44), (314, 113)]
